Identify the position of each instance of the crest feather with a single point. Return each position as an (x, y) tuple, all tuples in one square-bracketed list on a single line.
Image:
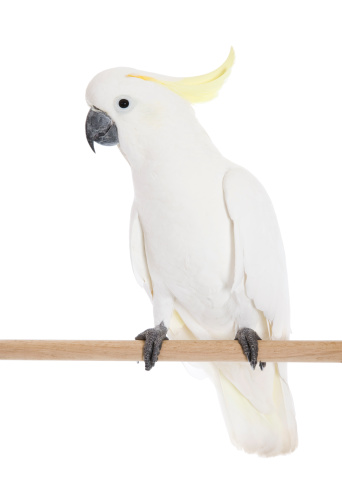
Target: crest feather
[(198, 88)]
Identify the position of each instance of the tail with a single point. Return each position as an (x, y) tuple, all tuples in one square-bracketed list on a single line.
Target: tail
[(257, 406), (269, 432)]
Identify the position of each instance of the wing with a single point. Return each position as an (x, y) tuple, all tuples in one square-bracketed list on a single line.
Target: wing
[(138, 255), (259, 253)]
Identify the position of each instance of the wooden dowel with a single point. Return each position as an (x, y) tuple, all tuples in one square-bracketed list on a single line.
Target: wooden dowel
[(172, 350)]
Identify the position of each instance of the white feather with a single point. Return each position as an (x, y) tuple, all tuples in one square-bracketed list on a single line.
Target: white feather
[(205, 241), (259, 254), (138, 255)]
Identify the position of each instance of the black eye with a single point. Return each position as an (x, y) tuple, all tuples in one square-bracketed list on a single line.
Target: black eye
[(123, 103)]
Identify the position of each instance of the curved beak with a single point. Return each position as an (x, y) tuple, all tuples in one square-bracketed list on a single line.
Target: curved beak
[(100, 128)]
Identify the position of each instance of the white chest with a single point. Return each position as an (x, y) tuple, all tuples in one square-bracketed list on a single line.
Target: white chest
[(188, 238)]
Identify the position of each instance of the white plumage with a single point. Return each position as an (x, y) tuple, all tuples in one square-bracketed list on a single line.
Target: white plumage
[(205, 245)]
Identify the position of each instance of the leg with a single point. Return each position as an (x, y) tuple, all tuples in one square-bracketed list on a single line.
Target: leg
[(248, 340), (153, 341)]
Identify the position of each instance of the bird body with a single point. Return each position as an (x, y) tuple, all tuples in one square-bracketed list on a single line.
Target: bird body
[(205, 243)]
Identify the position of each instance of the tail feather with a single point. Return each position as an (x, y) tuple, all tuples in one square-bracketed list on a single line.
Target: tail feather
[(267, 434), (257, 407)]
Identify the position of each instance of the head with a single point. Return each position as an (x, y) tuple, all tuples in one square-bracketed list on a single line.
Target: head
[(127, 104)]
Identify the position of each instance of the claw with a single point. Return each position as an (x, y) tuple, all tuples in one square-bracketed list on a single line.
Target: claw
[(248, 339), (154, 338)]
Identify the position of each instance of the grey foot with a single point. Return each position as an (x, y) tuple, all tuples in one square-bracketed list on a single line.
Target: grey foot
[(248, 340), (153, 341)]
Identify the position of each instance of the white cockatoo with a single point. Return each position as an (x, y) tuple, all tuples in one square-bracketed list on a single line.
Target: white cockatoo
[(205, 243)]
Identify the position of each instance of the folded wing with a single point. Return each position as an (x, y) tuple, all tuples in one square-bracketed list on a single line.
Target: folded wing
[(259, 254)]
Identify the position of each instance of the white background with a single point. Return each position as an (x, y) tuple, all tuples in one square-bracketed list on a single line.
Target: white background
[(109, 430)]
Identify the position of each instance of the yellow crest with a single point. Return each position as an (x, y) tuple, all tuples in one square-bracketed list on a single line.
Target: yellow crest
[(198, 88)]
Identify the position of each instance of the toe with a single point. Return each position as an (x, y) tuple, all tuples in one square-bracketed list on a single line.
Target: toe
[(156, 350), (141, 336), (253, 349), (153, 341), (248, 339), (148, 349), (147, 359), (241, 338)]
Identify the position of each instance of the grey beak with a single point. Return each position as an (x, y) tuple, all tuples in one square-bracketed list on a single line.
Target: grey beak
[(101, 129)]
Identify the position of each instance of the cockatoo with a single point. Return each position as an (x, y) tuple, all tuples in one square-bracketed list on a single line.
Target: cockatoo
[(204, 241)]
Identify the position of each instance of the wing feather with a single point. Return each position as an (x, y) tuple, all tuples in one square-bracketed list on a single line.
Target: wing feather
[(138, 254), (259, 253)]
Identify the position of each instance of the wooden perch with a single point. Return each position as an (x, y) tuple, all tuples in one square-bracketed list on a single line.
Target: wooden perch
[(172, 350)]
